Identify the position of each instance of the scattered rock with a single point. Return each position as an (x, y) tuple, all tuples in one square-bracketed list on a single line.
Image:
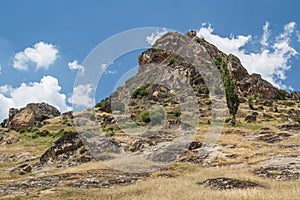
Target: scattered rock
[(279, 167), (229, 183), (252, 117), (277, 173), (269, 137), (289, 127), (87, 179), (195, 145), (6, 139), (22, 169), (291, 147)]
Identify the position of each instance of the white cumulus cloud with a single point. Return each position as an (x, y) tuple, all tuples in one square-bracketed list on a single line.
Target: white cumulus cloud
[(82, 96), (42, 55), (47, 90), (75, 66), (226, 44), (151, 39), (271, 62)]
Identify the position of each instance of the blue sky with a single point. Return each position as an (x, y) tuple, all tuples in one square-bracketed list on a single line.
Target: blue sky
[(41, 40)]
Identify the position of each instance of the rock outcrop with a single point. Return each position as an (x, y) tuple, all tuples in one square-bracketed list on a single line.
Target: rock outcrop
[(229, 183), (295, 95), (69, 150), (254, 84), (246, 84), (31, 115)]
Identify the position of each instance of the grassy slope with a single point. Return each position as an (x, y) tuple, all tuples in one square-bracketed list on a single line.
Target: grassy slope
[(183, 185)]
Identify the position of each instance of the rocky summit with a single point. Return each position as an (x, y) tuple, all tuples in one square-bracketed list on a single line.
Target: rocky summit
[(168, 133)]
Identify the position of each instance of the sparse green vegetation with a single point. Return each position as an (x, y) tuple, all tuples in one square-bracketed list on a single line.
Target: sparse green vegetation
[(203, 90), (104, 105), (256, 96), (140, 92), (43, 133), (296, 118), (176, 112), (154, 115), (198, 80), (199, 40), (288, 103), (172, 59), (218, 61), (282, 94), (145, 117)]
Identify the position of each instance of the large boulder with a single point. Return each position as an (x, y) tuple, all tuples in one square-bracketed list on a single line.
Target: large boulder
[(31, 115)]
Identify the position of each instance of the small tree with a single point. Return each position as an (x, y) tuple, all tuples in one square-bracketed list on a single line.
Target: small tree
[(232, 98)]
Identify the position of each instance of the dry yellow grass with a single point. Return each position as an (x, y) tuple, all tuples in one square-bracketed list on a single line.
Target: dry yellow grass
[(182, 187), (184, 183)]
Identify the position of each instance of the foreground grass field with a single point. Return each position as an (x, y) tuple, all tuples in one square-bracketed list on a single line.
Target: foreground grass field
[(182, 186)]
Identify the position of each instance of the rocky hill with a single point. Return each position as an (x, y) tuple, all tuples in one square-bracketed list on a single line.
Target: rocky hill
[(156, 137)]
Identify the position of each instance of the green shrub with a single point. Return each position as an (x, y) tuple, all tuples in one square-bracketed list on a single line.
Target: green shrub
[(104, 105), (227, 120), (3, 123), (43, 133), (199, 40), (62, 132), (154, 115), (140, 92), (218, 61), (145, 117), (157, 114), (203, 90), (282, 94), (198, 79), (297, 118), (172, 59), (177, 113), (288, 103), (256, 96)]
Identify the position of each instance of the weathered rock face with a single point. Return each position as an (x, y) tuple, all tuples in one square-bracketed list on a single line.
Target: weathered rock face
[(254, 84), (23, 119), (246, 84), (68, 149), (238, 72), (295, 95), (32, 114)]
